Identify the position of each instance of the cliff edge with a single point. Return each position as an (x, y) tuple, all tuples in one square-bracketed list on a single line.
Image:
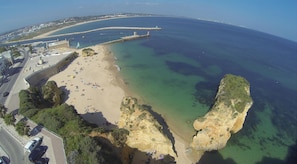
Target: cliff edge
[(226, 116), (145, 132)]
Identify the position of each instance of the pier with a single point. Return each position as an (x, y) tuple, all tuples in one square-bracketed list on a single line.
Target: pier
[(130, 37)]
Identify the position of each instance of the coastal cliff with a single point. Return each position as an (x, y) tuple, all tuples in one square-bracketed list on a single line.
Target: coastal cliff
[(145, 132), (226, 116)]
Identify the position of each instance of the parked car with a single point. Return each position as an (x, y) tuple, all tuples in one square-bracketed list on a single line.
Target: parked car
[(37, 153), (2, 161), (42, 161), (31, 145), (5, 94)]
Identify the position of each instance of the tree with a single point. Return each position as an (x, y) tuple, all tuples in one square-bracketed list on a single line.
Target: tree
[(22, 128), (52, 93), (3, 110), (9, 119), (25, 101)]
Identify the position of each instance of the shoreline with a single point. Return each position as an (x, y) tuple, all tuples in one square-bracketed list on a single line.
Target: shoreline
[(181, 143), (77, 24), (99, 100), (67, 26)]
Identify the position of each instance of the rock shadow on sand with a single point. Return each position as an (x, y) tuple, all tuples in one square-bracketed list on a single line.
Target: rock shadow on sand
[(98, 119), (66, 92)]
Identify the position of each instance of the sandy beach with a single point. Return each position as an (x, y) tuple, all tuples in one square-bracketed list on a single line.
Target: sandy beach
[(96, 91), (77, 24), (92, 88), (50, 32)]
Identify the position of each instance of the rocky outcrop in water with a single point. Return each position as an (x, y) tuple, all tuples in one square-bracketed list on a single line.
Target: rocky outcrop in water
[(145, 132), (226, 116)]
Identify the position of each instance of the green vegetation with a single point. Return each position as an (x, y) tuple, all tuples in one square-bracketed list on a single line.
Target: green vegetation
[(3, 111), (234, 89), (120, 136), (9, 119), (22, 128), (88, 52), (87, 144), (51, 93), (2, 49), (44, 106)]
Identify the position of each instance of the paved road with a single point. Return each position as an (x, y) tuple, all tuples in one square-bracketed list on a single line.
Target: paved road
[(12, 147), (12, 75)]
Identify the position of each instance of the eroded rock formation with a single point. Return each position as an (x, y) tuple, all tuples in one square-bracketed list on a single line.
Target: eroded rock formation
[(226, 116), (145, 132)]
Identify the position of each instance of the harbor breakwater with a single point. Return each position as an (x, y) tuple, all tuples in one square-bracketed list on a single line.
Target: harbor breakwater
[(104, 28)]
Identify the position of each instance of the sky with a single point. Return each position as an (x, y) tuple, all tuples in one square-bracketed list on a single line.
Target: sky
[(277, 17)]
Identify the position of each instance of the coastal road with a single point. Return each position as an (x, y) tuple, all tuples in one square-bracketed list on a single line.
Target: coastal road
[(13, 148), (11, 76)]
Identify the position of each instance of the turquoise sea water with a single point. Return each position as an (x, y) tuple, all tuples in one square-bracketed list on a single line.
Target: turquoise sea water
[(178, 69)]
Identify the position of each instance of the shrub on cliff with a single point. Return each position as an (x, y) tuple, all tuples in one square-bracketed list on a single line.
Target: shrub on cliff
[(43, 107), (120, 136), (234, 89), (52, 93), (88, 52)]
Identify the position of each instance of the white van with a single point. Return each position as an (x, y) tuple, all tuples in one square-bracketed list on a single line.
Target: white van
[(33, 144)]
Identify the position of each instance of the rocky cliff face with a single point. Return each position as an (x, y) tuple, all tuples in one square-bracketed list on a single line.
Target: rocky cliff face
[(145, 132), (226, 117)]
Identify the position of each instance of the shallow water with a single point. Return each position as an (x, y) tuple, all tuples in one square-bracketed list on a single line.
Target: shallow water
[(178, 69)]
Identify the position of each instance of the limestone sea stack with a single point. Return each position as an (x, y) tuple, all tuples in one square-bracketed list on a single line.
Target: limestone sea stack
[(226, 116), (145, 132)]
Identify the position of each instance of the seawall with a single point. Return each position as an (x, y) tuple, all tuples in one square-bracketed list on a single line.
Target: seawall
[(39, 77)]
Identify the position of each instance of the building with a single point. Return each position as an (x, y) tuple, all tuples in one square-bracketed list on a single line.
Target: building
[(2, 65), (58, 45), (6, 60), (8, 56)]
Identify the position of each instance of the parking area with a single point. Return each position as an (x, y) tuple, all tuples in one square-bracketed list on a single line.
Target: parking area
[(38, 131)]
